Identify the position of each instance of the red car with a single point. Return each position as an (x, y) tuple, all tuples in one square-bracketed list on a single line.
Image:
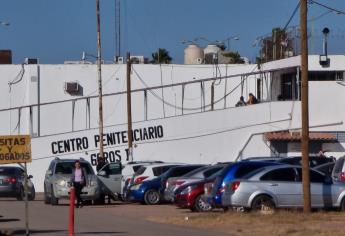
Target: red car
[(190, 196)]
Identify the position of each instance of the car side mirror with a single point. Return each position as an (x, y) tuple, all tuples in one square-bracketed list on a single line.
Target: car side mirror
[(30, 177), (49, 172), (102, 173)]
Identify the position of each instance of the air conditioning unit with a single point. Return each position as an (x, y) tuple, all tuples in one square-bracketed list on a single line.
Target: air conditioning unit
[(119, 60), (71, 87), (28, 61), (199, 60)]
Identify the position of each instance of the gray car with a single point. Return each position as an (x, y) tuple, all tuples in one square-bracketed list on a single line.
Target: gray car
[(57, 181), (12, 183), (281, 187), (338, 172)]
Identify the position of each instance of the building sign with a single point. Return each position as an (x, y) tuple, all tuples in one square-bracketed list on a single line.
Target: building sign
[(111, 141), (15, 149)]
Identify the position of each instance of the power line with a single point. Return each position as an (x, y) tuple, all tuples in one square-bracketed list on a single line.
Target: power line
[(327, 7), (293, 14)]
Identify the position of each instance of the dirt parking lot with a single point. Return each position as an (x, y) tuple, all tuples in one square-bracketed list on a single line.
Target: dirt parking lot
[(120, 218), (281, 223)]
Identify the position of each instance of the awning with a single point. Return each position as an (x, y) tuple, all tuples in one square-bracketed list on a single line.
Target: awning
[(296, 136)]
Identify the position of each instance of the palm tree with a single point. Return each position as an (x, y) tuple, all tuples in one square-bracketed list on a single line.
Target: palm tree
[(161, 57)]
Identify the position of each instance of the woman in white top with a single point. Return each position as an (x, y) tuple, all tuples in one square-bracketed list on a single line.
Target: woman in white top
[(78, 179)]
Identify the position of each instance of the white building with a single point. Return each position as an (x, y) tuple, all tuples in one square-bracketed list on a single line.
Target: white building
[(172, 113)]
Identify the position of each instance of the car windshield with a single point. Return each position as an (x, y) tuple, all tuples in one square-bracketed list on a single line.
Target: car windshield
[(7, 171), (195, 172), (215, 175), (67, 167), (252, 173)]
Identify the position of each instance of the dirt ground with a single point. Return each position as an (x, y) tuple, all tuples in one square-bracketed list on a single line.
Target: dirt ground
[(282, 223)]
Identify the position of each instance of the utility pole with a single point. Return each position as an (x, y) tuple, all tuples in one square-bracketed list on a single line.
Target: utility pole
[(305, 109), (129, 109), (117, 30), (100, 159)]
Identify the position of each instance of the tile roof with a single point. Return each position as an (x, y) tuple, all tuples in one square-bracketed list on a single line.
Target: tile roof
[(296, 136)]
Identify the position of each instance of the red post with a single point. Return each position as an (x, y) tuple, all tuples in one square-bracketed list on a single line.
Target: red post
[(71, 212)]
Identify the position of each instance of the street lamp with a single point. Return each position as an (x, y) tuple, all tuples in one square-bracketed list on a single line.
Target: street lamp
[(3, 23), (229, 39)]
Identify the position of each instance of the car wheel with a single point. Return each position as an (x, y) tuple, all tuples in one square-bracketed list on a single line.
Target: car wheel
[(100, 200), (200, 205), (53, 200), (151, 197), (263, 204), (342, 205), (32, 195), (87, 202), (20, 195), (46, 198)]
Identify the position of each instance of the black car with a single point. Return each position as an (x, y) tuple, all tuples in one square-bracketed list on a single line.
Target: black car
[(12, 183)]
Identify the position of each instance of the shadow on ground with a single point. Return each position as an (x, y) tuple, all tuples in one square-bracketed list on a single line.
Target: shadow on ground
[(8, 220), (64, 232)]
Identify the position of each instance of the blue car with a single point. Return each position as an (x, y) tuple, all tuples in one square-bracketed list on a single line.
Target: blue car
[(215, 190), (151, 192)]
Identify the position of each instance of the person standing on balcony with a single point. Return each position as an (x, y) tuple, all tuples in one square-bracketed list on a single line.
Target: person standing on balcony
[(252, 99), (241, 102)]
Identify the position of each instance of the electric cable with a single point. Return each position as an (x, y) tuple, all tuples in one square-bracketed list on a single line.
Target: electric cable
[(190, 109), (293, 14), (327, 7)]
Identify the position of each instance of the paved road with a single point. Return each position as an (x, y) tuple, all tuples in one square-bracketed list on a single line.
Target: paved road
[(115, 219)]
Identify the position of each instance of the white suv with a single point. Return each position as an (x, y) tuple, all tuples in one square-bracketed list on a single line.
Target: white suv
[(116, 176), (149, 172)]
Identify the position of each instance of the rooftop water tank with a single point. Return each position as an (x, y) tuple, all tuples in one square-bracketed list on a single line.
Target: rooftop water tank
[(193, 54), (211, 53)]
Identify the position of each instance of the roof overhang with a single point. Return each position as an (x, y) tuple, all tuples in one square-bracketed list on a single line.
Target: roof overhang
[(296, 136)]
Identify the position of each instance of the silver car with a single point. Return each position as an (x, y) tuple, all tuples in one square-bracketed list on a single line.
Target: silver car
[(57, 178), (281, 187)]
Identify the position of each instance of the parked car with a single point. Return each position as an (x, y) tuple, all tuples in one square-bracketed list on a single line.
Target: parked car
[(115, 176), (194, 176), (326, 168), (151, 192), (149, 172), (190, 195), (214, 190), (57, 178), (281, 187), (313, 160), (338, 172), (12, 183)]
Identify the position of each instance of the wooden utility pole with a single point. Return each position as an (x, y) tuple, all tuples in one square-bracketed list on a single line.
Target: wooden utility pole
[(129, 109), (305, 109), (212, 96), (100, 159)]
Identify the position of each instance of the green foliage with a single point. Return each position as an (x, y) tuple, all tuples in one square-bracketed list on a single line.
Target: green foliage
[(235, 57), (161, 57)]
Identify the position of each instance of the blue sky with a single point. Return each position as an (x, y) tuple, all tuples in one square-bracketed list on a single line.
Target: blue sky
[(55, 31)]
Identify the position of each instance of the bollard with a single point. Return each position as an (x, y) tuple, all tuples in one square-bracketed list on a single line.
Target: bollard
[(71, 212)]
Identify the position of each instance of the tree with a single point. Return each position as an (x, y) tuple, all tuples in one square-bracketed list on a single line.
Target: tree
[(234, 57), (161, 57), (277, 46)]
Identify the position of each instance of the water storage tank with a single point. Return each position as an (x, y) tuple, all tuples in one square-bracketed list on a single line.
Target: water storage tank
[(193, 54), (211, 53)]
